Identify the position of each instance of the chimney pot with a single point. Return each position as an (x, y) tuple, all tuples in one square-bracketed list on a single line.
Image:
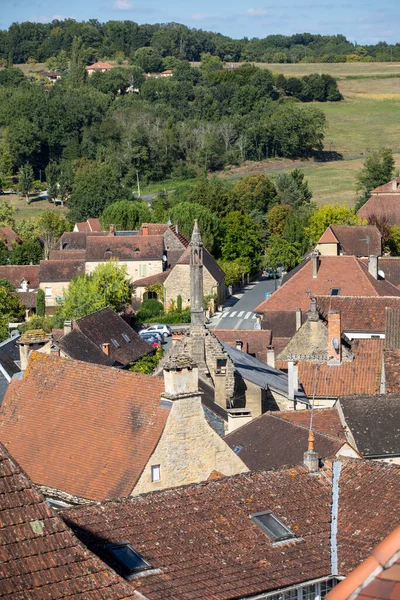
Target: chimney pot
[(145, 230), (67, 327), (106, 348), (54, 351), (239, 345)]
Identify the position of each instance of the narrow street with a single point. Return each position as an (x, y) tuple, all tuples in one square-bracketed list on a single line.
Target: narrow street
[(238, 312)]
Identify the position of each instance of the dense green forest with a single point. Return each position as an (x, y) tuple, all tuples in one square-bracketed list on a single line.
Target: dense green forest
[(40, 41)]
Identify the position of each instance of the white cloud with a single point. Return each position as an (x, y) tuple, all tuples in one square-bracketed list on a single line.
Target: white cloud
[(48, 19), (123, 5), (256, 12), (200, 17)]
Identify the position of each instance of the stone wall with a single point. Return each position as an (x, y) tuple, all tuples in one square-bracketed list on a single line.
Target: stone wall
[(136, 269), (178, 283), (188, 450), (57, 291), (171, 242)]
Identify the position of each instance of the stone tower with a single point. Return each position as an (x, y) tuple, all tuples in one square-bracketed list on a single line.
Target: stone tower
[(196, 277)]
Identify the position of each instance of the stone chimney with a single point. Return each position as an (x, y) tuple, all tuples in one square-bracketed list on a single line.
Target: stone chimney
[(271, 356), (298, 318), (29, 341), (334, 338), (238, 417), (145, 230), (311, 458), (394, 184), (315, 263), (293, 379), (67, 327), (106, 348), (181, 375), (313, 314), (373, 266), (239, 345)]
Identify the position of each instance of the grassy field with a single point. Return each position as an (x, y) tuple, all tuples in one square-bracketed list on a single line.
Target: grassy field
[(34, 209)]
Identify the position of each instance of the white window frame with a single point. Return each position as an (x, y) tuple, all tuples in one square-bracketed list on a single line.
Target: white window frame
[(155, 473), (48, 292)]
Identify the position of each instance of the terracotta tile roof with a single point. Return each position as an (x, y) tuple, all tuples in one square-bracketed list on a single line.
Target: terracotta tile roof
[(281, 322), (104, 326), (374, 423), (270, 442), (153, 228), (98, 66), (325, 420), (255, 342), (328, 237), (9, 237), (203, 540), (357, 377), (345, 272), (179, 235), (60, 270), (82, 227), (15, 274), (358, 313), (369, 506), (151, 279), (382, 206), (76, 345), (104, 425), (67, 255), (39, 555), (392, 370), (28, 299), (387, 187), (377, 577), (209, 262), (390, 267), (73, 240), (353, 239), (136, 247)]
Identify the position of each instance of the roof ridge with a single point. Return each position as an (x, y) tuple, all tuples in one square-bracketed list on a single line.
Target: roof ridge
[(300, 425)]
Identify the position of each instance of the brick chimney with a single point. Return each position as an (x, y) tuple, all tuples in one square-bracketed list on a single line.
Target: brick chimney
[(106, 348), (54, 351), (315, 263), (373, 266), (311, 458), (145, 230), (334, 338)]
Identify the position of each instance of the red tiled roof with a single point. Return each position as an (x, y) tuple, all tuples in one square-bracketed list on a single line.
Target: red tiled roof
[(382, 206), (386, 187), (328, 237), (99, 66), (15, 274), (40, 557), (9, 237), (353, 239), (60, 270), (134, 247), (358, 313), (390, 267), (151, 279), (345, 272), (356, 377), (255, 342), (67, 255), (86, 429), (82, 227), (392, 370), (325, 420), (153, 228)]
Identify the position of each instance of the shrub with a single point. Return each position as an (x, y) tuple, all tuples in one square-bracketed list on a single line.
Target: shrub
[(40, 303), (179, 303)]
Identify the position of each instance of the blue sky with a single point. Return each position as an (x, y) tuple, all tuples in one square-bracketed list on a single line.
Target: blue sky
[(364, 21)]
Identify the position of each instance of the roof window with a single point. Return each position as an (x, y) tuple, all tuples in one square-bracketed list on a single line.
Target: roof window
[(126, 337), (128, 559), (272, 526), (114, 341), (335, 291), (237, 449)]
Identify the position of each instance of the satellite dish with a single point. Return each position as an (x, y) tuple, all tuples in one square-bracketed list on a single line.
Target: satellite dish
[(335, 343)]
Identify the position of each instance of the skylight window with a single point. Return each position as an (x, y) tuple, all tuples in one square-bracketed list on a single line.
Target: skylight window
[(114, 341), (128, 559), (126, 337), (335, 291), (237, 449), (272, 526)]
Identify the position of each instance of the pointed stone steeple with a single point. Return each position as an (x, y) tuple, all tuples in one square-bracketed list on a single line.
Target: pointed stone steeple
[(196, 277)]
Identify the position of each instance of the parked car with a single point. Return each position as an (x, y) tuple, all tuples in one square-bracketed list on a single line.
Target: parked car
[(154, 334), (164, 330), (151, 339)]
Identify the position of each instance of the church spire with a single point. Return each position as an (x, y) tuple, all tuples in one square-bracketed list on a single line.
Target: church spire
[(196, 277)]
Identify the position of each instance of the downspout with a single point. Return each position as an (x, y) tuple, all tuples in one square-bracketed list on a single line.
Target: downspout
[(337, 467)]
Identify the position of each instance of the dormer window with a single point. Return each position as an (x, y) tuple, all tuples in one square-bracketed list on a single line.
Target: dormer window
[(272, 526)]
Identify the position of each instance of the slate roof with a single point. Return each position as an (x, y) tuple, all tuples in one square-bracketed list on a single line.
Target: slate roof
[(382, 206), (16, 273), (270, 442), (203, 541), (77, 346), (102, 327), (209, 262), (345, 272), (374, 423), (104, 425), (9, 237), (325, 420), (148, 247), (255, 341), (39, 555), (352, 239), (9, 356), (60, 270), (365, 313), (261, 374)]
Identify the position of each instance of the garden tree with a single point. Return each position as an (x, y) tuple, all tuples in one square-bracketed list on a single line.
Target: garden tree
[(28, 253), (11, 309), (148, 363), (241, 239), (126, 215), (7, 214), (276, 219), (394, 240), (51, 226), (95, 187), (234, 270), (25, 180), (295, 228), (148, 59), (255, 193), (281, 252), (292, 189), (27, 229), (378, 169), (329, 214), (107, 285), (40, 303), (77, 71), (185, 213)]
